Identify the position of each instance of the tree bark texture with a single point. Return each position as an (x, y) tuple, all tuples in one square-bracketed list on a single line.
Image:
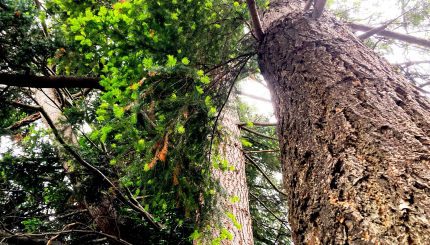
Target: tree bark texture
[(354, 134), (233, 182)]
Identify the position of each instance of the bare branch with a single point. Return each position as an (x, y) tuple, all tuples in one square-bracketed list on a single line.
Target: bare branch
[(254, 96), (308, 5), (270, 211), (264, 174), (82, 93), (411, 63), (262, 151), (24, 106), (25, 121), (373, 31), (255, 19), (257, 133), (27, 237), (33, 81), (319, 6), (394, 35), (261, 124)]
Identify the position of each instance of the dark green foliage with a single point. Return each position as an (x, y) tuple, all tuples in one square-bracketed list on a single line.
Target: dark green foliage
[(24, 48), (148, 131)]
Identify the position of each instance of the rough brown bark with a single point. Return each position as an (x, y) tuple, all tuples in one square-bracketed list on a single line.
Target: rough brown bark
[(233, 182), (354, 134)]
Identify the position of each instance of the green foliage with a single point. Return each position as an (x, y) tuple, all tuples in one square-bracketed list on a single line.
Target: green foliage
[(266, 227), (23, 48), (148, 130)]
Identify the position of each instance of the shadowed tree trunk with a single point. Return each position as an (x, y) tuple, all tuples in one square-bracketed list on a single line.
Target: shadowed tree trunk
[(100, 206), (354, 134)]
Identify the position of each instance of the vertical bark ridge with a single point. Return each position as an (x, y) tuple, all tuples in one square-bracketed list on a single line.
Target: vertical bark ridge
[(354, 135)]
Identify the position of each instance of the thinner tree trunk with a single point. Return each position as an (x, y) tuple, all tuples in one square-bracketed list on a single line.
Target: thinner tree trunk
[(100, 206), (234, 199), (354, 134)]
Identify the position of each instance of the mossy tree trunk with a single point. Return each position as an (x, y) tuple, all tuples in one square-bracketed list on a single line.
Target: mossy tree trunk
[(230, 173)]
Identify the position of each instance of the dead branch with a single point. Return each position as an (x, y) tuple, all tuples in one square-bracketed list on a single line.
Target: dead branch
[(252, 7), (394, 35)]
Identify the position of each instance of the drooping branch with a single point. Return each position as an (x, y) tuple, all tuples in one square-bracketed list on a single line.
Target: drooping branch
[(255, 19), (270, 211), (264, 174), (394, 35), (33, 81), (131, 203), (230, 90)]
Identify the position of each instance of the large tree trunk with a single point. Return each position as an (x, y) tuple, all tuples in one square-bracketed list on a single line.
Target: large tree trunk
[(234, 197), (354, 134)]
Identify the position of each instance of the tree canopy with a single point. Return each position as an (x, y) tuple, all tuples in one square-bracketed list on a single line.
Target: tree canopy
[(142, 85)]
